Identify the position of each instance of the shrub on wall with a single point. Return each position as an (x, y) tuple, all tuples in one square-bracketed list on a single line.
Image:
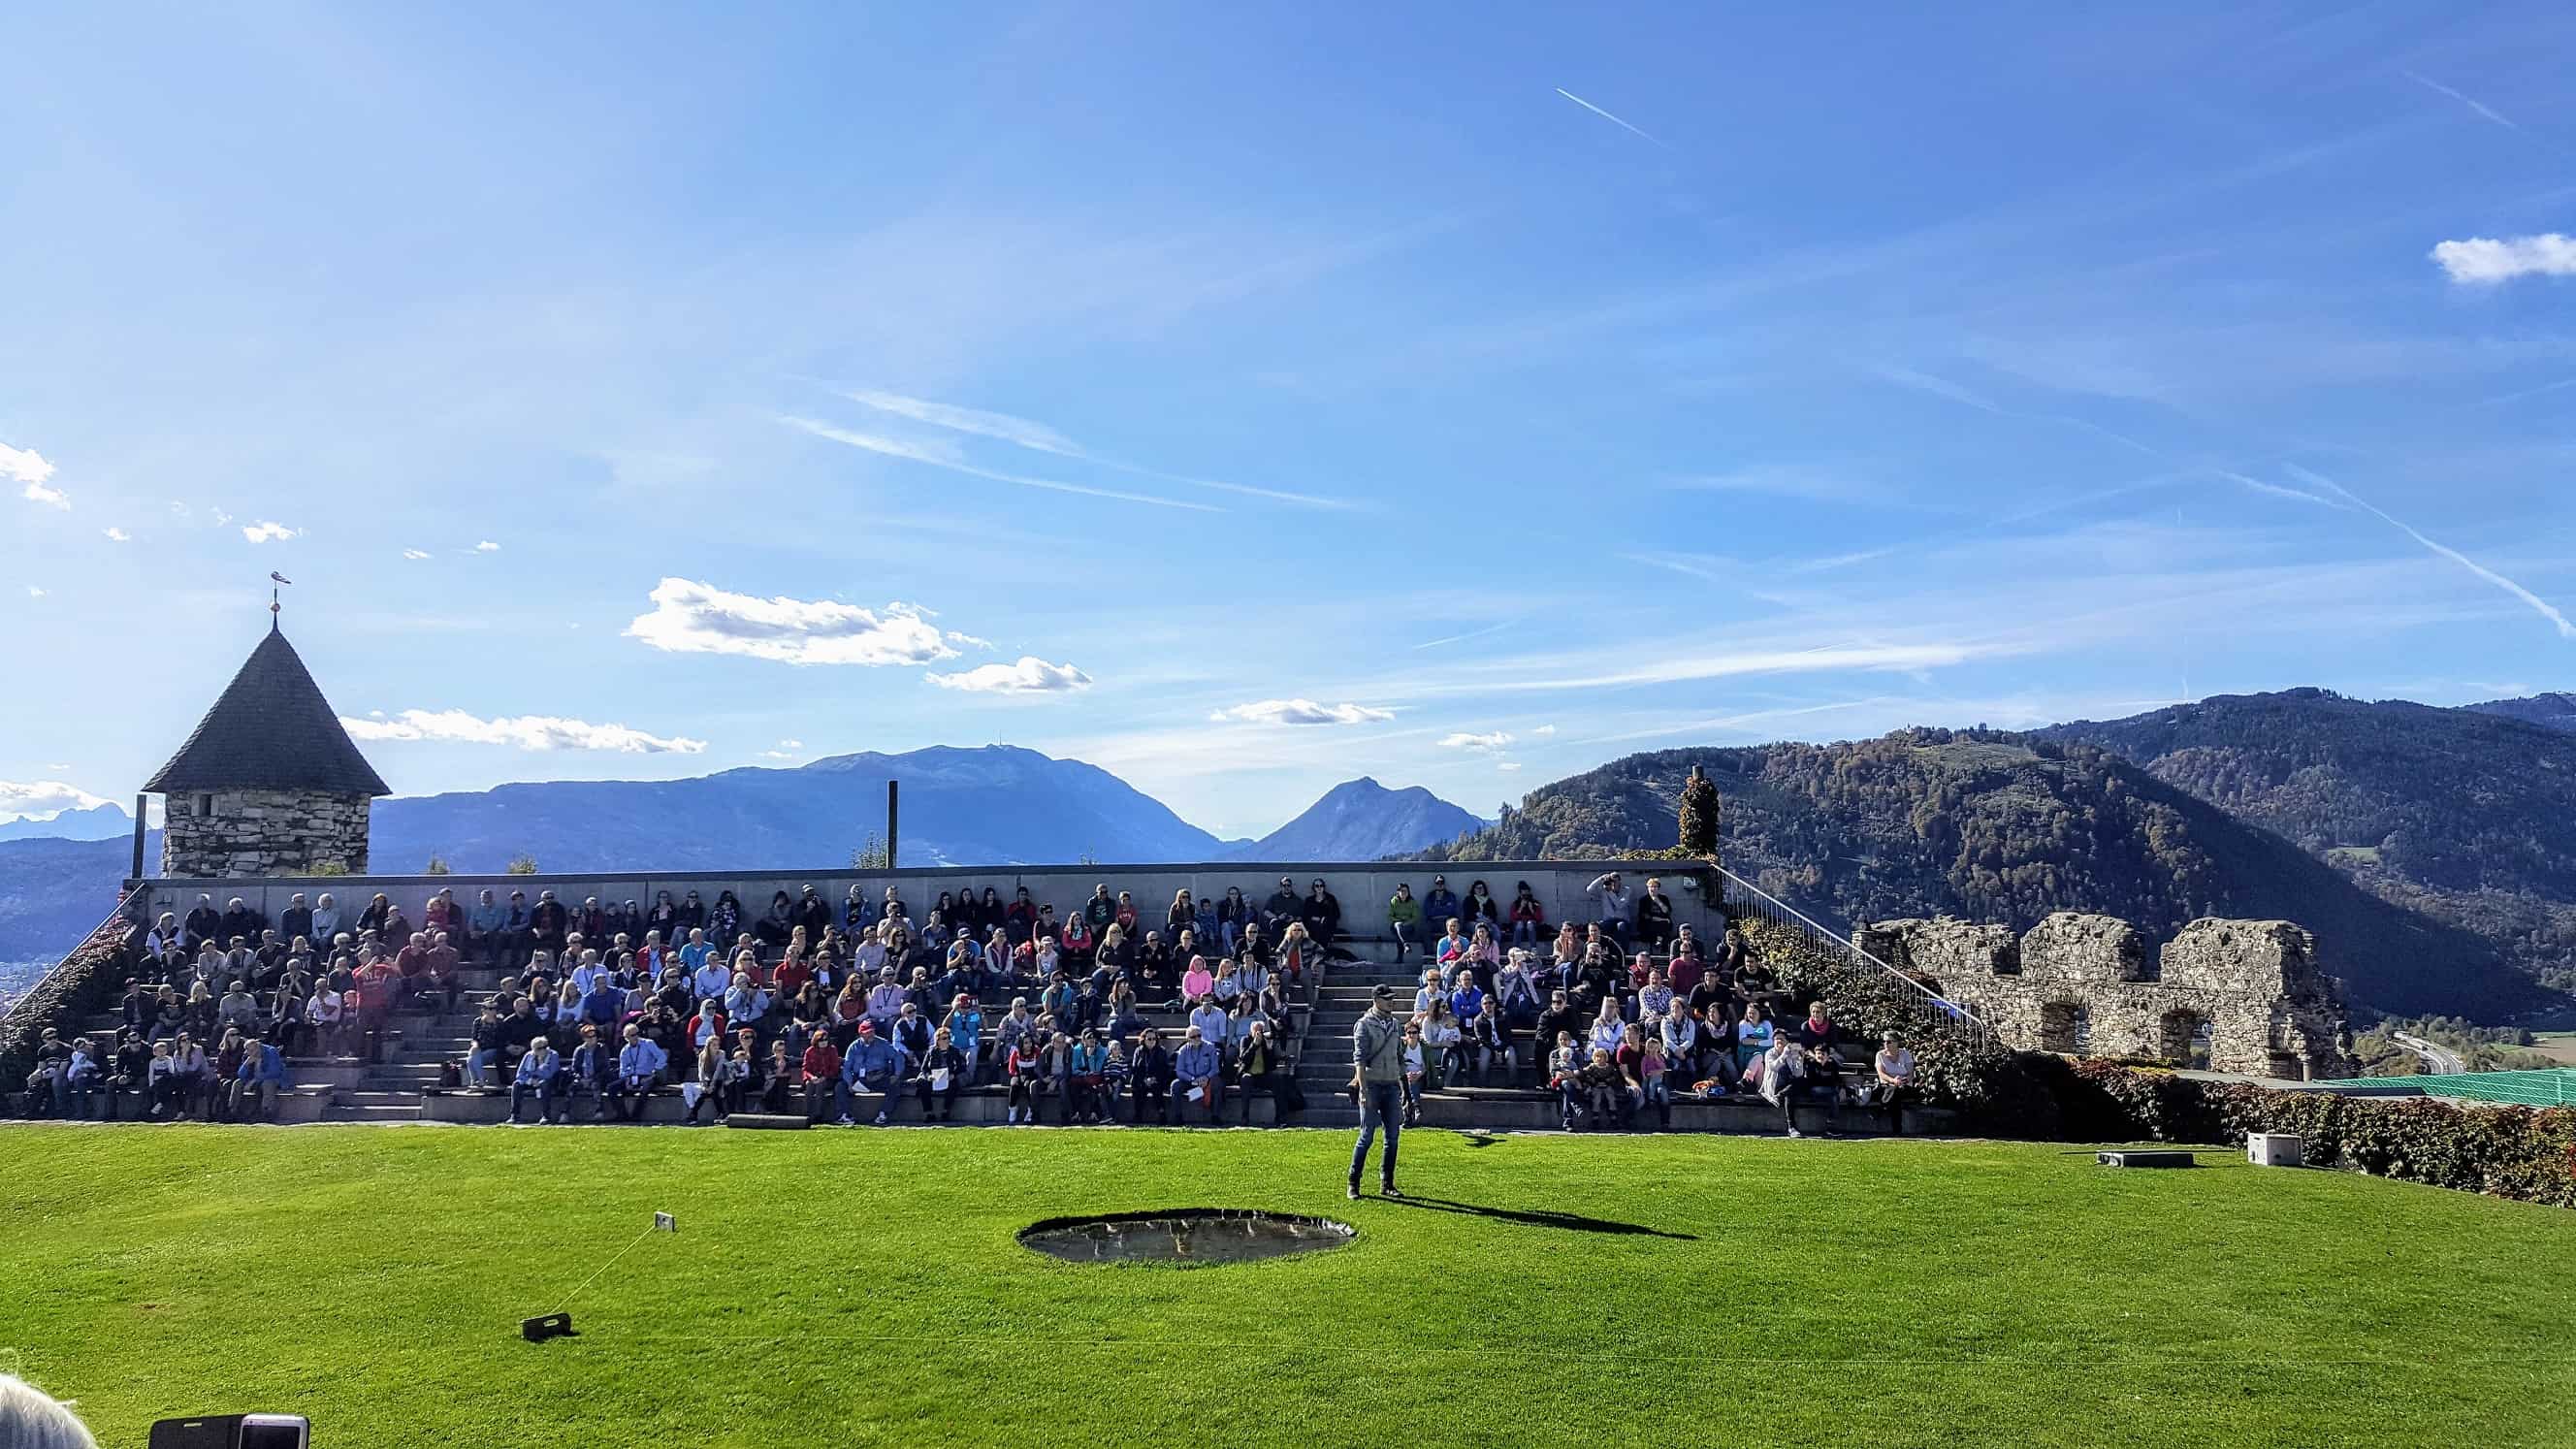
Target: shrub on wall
[(74, 987)]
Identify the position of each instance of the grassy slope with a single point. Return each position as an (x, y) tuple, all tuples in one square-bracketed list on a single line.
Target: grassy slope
[(854, 1287)]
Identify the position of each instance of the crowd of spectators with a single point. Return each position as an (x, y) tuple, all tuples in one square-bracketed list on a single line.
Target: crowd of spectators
[(861, 1008)]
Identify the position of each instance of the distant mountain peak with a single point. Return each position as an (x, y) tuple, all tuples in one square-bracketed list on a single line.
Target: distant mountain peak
[(1363, 820)]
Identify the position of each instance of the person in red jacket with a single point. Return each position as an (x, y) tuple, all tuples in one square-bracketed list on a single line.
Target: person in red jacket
[(380, 985), (822, 1073)]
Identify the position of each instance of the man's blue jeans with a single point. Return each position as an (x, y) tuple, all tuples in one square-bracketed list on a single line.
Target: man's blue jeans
[(1381, 1105)]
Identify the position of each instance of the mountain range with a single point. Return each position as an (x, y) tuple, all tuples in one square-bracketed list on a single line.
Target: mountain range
[(1999, 827), (106, 820), (2556, 711), (993, 805), (2467, 816), (2432, 850)]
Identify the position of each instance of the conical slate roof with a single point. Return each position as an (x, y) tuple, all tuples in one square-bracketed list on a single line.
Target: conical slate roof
[(271, 730)]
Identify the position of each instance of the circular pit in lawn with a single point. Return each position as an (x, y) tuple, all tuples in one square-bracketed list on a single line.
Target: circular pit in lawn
[(1184, 1237)]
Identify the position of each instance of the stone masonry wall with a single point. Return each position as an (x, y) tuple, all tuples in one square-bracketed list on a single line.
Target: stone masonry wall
[(2256, 985), (251, 833)]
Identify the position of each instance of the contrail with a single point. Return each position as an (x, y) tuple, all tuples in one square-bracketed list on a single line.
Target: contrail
[(2543, 607), (2473, 103), (1605, 115)]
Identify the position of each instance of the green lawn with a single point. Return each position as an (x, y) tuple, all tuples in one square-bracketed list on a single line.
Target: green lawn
[(863, 1287), (2558, 1046)]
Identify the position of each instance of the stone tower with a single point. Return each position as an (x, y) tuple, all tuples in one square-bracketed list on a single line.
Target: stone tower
[(269, 784)]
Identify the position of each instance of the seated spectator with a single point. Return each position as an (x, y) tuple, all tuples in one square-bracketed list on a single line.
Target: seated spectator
[(1257, 1063), (1528, 919), (1442, 1046), (1149, 1078), (1198, 981), (1654, 916), (819, 1071), (537, 1076), (1024, 1067), (1752, 1038), (1784, 1066), (965, 1028), (1563, 1075), (1489, 1045), (1891, 1085), (1561, 1018), (1198, 1071), (942, 1072), (1601, 1087), (1441, 903), (1233, 914), (1612, 902), (1608, 1026), (1209, 1023), (1086, 1077), (872, 1065)]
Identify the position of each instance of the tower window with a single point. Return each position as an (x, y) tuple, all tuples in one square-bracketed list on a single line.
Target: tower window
[(205, 806)]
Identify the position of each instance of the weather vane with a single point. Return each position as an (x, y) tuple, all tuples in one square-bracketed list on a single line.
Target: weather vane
[(275, 578)]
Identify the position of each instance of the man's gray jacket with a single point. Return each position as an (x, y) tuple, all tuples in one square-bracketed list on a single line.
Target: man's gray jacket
[(1377, 1047)]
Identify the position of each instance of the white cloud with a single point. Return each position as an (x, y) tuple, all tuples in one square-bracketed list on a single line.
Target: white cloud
[(1301, 712), (1021, 432), (178, 508), (50, 497), (34, 593), (415, 555), (266, 532), (2539, 605), (696, 618), (118, 535), (2481, 260), (526, 732), (785, 750), (1031, 675), (43, 799), (1486, 743), (791, 744), (968, 640), (25, 465), (222, 518), (1507, 766), (1545, 729), (487, 546)]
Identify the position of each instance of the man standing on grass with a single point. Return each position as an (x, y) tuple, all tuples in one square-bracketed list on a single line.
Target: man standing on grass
[(1377, 1081)]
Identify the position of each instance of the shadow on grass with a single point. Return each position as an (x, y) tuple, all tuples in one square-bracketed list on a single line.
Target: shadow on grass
[(1536, 1218)]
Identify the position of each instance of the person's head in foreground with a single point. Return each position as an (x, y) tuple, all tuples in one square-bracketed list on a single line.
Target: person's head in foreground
[(32, 1419)]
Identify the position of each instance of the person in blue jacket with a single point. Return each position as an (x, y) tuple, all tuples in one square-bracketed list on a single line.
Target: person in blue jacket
[(872, 1064)]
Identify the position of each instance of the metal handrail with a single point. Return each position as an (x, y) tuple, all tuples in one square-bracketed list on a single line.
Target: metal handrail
[(9, 1019), (1742, 892)]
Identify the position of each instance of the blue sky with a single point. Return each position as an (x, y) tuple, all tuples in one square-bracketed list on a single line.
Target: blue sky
[(1245, 399)]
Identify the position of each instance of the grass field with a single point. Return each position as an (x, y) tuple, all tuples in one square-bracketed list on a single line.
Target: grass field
[(865, 1288), (2558, 1046)]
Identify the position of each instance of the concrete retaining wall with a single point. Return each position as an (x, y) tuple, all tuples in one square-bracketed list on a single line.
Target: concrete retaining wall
[(1363, 888)]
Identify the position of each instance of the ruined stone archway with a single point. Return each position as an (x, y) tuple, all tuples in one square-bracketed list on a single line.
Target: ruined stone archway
[(2184, 1037), (2066, 1027)]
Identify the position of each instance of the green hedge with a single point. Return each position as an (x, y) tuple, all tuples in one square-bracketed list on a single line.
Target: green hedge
[(87, 976)]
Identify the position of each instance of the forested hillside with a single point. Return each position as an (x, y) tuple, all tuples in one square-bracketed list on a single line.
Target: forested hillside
[(2467, 815), (1995, 827)]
